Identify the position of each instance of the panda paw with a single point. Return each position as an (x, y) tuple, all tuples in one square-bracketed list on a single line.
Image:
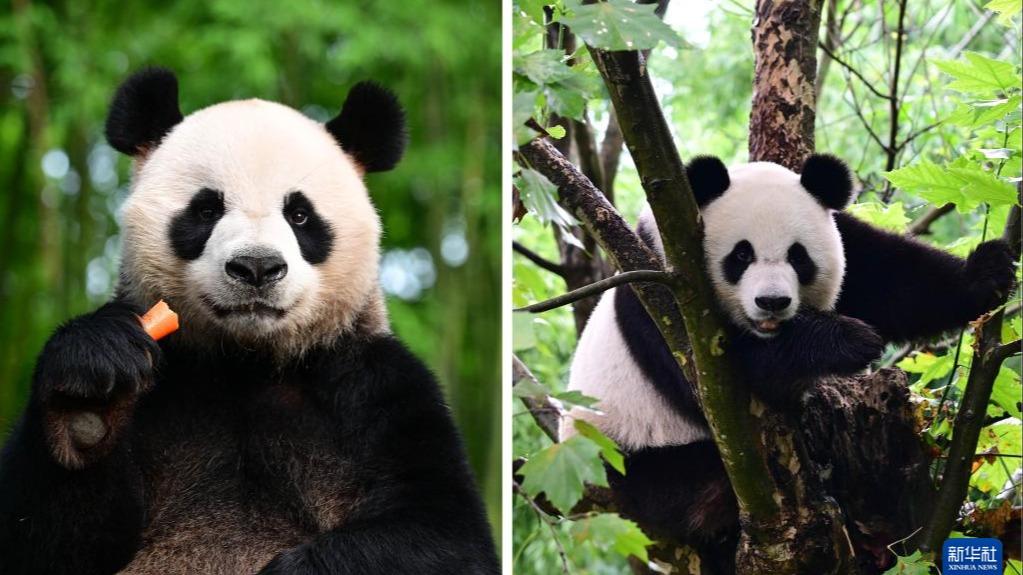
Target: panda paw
[(990, 274), (88, 377), (857, 345)]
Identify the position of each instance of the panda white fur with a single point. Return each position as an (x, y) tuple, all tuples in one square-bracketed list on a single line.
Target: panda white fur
[(282, 429), (808, 291)]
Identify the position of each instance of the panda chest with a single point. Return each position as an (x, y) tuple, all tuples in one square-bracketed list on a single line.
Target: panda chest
[(230, 483)]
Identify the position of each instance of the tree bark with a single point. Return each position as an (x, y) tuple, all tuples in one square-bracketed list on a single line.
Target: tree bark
[(784, 96)]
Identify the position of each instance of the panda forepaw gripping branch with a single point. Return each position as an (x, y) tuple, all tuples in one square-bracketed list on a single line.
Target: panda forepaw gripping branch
[(282, 429), (808, 290)]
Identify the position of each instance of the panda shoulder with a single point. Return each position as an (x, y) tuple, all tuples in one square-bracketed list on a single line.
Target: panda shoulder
[(380, 369)]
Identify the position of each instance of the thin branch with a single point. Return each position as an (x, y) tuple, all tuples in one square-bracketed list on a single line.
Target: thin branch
[(610, 154), (1005, 351), (854, 71), (974, 31), (542, 516), (544, 413), (916, 134), (893, 101), (537, 259), (864, 121), (923, 225), (597, 288)]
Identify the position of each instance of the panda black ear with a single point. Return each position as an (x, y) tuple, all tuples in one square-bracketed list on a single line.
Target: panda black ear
[(829, 180), (371, 127), (708, 178), (143, 110)]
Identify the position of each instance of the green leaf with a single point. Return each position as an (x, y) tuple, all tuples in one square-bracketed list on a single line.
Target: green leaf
[(1003, 438), (533, 9), (562, 471), (931, 182), (890, 217), (539, 196), (928, 365), (608, 448), (620, 25), (543, 66), (978, 74), (523, 107), (1007, 392), (556, 132), (982, 186), (914, 564), (966, 186), (530, 389), (575, 398), (625, 537), (1006, 9), (522, 331)]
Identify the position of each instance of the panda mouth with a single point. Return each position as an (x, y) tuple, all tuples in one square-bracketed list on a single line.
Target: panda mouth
[(769, 325), (254, 308)]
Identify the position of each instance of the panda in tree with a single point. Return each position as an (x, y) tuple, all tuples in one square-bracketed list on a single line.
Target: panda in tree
[(283, 429), (808, 291)]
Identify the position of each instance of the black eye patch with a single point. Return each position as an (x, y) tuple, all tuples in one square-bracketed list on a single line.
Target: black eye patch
[(736, 262), (801, 261), (314, 235), (192, 226)]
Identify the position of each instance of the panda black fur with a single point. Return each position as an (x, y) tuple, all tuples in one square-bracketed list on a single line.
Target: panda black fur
[(282, 429), (809, 291)]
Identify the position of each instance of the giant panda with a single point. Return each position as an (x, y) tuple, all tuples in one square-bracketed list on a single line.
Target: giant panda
[(807, 290), (283, 429)]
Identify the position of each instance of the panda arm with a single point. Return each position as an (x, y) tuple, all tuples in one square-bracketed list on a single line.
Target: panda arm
[(810, 345), (909, 290), (63, 509), (419, 511), (55, 520)]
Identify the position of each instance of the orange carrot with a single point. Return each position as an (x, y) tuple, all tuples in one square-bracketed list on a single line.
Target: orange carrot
[(160, 321)]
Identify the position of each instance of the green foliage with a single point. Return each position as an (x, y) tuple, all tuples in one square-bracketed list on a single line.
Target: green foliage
[(561, 471), (978, 74), (914, 564), (618, 25), (624, 536), (890, 217)]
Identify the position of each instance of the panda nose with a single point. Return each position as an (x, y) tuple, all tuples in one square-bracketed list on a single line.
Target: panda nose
[(257, 271), (773, 303)]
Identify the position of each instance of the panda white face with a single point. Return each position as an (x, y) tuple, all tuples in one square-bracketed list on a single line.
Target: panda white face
[(771, 247), (251, 219)]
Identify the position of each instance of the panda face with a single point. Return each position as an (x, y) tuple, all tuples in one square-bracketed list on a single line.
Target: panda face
[(771, 247), (251, 220)]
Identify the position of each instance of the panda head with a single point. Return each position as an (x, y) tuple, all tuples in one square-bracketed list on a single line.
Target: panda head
[(771, 242), (251, 219)]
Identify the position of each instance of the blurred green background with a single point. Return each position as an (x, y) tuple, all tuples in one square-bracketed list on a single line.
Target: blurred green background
[(61, 185)]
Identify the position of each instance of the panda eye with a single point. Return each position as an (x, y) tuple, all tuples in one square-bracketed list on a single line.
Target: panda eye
[(207, 214), (298, 217), (744, 255)]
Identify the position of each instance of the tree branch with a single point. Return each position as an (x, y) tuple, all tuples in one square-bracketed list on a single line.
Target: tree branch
[(600, 219), (923, 225), (893, 101), (598, 287), (537, 259), (610, 154), (853, 71), (544, 413)]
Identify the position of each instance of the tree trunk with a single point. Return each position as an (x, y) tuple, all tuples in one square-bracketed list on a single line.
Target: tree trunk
[(784, 97)]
